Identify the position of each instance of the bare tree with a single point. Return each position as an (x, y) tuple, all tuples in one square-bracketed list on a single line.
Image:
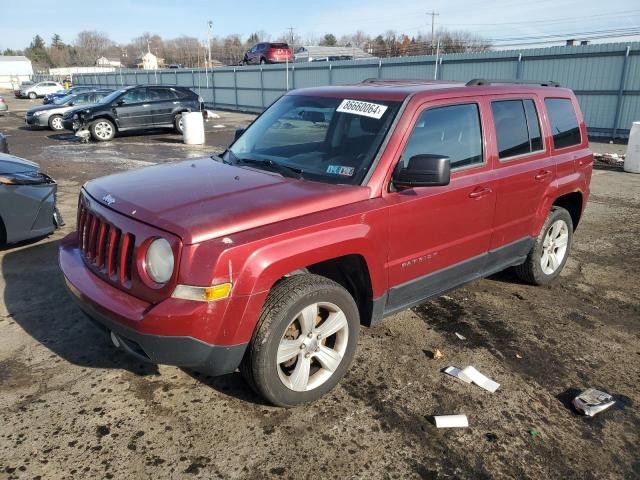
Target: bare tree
[(90, 45)]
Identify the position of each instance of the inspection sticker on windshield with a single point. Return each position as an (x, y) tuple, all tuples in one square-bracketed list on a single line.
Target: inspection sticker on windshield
[(366, 109), (340, 170)]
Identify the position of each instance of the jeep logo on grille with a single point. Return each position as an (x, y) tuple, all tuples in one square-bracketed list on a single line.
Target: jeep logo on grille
[(108, 199)]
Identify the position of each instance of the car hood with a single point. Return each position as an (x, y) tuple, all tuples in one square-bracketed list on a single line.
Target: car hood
[(50, 107), (204, 199), (11, 164)]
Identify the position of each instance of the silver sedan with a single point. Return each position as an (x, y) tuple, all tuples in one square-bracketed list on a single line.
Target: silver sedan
[(50, 115), (27, 201)]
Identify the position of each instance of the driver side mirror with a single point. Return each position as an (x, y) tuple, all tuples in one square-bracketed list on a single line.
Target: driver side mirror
[(238, 134), (423, 171), (120, 102), (71, 104)]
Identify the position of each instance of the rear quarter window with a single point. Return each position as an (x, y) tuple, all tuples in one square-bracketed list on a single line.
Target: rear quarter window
[(564, 122)]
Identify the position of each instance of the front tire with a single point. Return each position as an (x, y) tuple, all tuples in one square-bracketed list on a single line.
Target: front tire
[(304, 341), (55, 123), (102, 130), (263, 61), (550, 251), (32, 95)]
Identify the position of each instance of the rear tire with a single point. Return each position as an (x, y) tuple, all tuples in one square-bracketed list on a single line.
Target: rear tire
[(55, 123), (178, 124), (263, 61), (550, 251), (102, 130), (304, 341), (32, 96)]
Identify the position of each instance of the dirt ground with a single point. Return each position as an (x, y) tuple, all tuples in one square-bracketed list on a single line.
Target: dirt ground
[(71, 406)]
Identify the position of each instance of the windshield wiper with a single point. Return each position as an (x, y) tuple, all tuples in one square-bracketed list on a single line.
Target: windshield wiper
[(270, 164), (220, 158)]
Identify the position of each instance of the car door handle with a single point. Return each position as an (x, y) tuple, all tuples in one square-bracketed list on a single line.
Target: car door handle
[(542, 174), (146, 105), (480, 192)]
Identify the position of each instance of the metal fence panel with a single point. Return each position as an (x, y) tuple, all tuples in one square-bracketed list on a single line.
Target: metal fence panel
[(606, 78)]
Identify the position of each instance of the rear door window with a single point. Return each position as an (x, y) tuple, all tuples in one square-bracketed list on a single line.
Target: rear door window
[(452, 131), (564, 122), (517, 127)]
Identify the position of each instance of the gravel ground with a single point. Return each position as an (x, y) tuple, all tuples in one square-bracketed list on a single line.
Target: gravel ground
[(71, 406)]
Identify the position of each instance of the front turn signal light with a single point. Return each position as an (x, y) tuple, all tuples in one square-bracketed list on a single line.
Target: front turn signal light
[(202, 294)]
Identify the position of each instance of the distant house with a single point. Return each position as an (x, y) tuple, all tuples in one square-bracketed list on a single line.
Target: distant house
[(108, 62), (14, 70), (319, 53), (150, 62)]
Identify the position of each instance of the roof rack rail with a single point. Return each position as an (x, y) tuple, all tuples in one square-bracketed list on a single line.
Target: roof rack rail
[(370, 80), (476, 82)]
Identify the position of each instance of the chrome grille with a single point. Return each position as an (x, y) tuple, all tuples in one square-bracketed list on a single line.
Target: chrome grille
[(105, 247)]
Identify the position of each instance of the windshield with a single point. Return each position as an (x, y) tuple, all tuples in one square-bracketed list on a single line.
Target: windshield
[(63, 100), (112, 96), (326, 139)]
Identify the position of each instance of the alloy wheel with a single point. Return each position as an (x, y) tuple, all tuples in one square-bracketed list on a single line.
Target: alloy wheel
[(56, 123), (554, 247), (312, 346), (103, 130)]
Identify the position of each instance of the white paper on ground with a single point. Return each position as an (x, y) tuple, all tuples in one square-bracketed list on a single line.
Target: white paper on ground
[(470, 374), (456, 372), (451, 421), (479, 379)]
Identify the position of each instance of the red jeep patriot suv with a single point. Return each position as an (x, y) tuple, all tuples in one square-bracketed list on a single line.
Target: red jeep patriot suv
[(336, 207)]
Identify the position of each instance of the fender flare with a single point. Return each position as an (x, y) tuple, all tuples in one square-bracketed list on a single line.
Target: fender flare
[(549, 198), (268, 264)]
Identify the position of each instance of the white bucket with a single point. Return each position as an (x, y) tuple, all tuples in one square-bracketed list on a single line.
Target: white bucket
[(632, 159), (193, 128)]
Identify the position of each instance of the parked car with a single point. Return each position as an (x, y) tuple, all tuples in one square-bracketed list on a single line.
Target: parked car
[(135, 108), (267, 52), (3, 105), (24, 84), (4, 145), (38, 89), (51, 115), (337, 206), (50, 97), (27, 201)]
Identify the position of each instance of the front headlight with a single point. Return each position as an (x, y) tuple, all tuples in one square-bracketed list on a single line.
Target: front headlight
[(159, 261), (37, 114), (25, 178)]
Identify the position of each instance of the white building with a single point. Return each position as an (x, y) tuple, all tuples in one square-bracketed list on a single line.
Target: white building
[(150, 62), (108, 62), (14, 70)]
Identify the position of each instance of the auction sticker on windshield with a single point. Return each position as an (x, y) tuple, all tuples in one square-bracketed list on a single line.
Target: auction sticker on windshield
[(358, 107)]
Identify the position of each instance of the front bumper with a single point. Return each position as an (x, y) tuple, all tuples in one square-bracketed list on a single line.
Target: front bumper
[(35, 121), (70, 123), (133, 321)]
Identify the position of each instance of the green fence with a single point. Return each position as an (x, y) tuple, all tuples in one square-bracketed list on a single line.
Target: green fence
[(605, 77)]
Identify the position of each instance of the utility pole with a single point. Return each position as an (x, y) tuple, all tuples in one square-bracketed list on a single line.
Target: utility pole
[(287, 59), (433, 28), (209, 40), (291, 37)]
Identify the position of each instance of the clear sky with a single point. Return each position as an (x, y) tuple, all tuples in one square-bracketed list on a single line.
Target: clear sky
[(122, 20)]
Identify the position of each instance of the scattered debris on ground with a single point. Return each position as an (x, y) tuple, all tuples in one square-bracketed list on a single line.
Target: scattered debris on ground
[(451, 421), (592, 401)]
